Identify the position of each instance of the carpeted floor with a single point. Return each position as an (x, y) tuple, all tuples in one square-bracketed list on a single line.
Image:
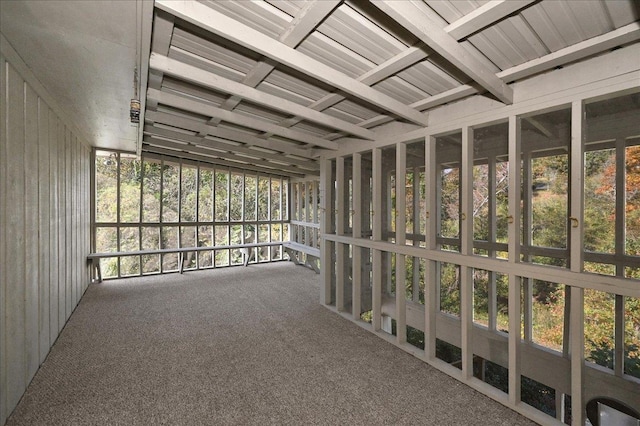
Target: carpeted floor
[(236, 346)]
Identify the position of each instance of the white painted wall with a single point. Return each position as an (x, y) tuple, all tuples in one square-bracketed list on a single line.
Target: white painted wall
[(44, 225)]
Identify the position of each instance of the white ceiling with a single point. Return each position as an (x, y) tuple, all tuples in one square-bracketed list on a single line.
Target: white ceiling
[(270, 85), (84, 53)]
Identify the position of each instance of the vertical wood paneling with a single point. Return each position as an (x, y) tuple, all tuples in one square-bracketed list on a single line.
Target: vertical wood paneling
[(14, 264), (68, 229), (3, 238), (61, 228), (54, 263), (29, 262), (44, 229)]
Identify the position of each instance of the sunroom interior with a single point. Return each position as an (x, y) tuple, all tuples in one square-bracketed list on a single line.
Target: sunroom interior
[(464, 176)]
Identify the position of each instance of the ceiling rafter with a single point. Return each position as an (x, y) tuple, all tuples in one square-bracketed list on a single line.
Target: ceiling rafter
[(160, 43), (303, 24), (217, 23), (623, 35), (446, 46), (223, 155), (229, 134), (228, 147), (207, 79), (484, 16), (208, 110), (460, 29), (212, 160)]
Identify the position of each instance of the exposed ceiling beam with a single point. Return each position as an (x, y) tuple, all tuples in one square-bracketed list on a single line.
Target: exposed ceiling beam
[(217, 23), (623, 35), (483, 16), (219, 162), (304, 23), (446, 46), (229, 134), (224, 155), (160, 43), (386, 69), (208, 79), (487, 14), (208, 110), (224, 146)]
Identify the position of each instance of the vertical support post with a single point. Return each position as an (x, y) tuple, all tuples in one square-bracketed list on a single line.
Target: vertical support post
[(577, 186), (466, 275), (431, 218), (514, 257), (492, 286), (416, 232), (618, 357), (401, 239), (356, 263), (576, 258), (577, 356), (325, 226), (340, 215), (377, 236)]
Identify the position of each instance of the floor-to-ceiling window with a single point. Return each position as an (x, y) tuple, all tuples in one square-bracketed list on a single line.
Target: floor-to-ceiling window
[(163, 204)]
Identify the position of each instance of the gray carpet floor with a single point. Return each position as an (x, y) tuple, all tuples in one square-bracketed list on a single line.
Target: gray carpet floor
[(236, 346)]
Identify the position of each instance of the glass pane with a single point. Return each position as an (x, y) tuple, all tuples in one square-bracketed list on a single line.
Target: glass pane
[(129, 266), (150, 238), (129, 188), (285, 199), (599, 325), (548, 314), (263, 198), (448, 160), (109, 267), (632, 336), (188, 236), (222, 236), (222, 196), (389, 194), (545, 145), (106, 186), (450, 288), (169, 237), (106, 240), (275, 199), (205, 196), (188, 194), (367, 206), (416, 196), (600, 201), (150, 263), (170, 191), (236, 234), (236, 196), (632, 198), (129, 239), (151, 191), (250, 198)]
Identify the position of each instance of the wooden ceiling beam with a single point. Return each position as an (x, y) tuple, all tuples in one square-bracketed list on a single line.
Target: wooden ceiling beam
[(230, 29), (224, 146), (446, 46), (484, 16), (209, 110), (223, 155), (628, 34), (210, 80), (216, 161), (229, 134), (304, 23)]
